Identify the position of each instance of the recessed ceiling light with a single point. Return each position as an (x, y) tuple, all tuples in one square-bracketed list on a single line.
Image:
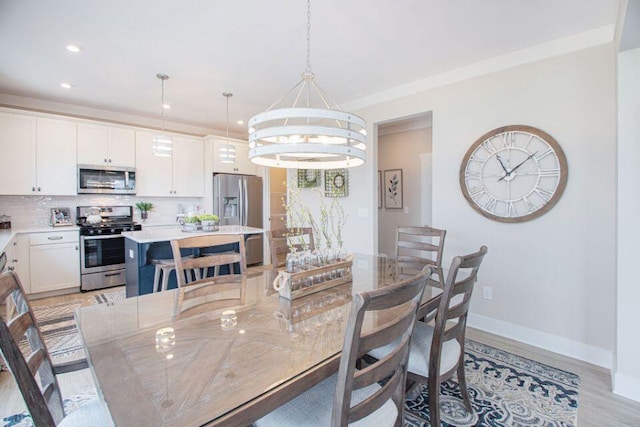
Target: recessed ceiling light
[(166, 106), (240, 122), (73, 48), (66, 85)]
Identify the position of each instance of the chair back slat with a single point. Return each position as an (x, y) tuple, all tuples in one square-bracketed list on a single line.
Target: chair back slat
[(18, 325), (445, 330), (281, 239), (386, 367), (384, 335), (220, 294), (417, 247), (35, 360), (44, 401), (396, 304), (196, 270)]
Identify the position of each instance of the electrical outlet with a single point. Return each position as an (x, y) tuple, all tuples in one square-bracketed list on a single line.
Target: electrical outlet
[(487, 292)]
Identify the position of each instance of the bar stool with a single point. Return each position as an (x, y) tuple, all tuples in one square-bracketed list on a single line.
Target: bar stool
[(163, 268)]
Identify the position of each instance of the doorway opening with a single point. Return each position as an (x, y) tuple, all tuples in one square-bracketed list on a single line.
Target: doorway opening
[(405, 165)]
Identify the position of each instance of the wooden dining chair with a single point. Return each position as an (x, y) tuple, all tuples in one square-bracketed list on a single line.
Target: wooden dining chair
[(417, 247), (43, 397), (439, 348), (195, 270), (281, 239), (354, 396)]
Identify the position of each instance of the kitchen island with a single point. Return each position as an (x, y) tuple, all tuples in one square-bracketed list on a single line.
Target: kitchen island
[(154, 243)]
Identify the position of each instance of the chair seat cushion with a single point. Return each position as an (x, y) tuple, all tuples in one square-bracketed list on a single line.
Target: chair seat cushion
[(314, 408), (91, 414), (420, 350)]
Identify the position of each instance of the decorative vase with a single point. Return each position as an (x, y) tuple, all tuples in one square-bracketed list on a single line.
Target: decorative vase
[(210, 225), (144, 215)]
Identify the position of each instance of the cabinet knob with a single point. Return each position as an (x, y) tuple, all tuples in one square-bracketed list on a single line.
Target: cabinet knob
[(105, 160), (76, 248), (109, 160), (33, 188), (38, 188)]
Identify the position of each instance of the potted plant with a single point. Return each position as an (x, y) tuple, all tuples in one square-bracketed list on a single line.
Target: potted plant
[(209, 222), (144, 207), (190, 223)]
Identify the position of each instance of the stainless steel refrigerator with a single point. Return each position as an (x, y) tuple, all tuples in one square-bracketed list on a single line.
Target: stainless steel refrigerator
[(237, 200)]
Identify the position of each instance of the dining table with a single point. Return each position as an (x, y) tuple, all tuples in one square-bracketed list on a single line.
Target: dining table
[(158, 360)]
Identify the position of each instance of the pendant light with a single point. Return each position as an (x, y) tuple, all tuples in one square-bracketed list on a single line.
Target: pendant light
[(304, 129), (227, 151), (162, 144)]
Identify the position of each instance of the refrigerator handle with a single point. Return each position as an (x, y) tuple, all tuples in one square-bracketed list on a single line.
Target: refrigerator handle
[(240, 202), (245, 201)]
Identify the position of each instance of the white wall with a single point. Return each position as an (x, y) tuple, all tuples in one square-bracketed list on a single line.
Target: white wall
[(553, 278), (402, 150), (627, 376)]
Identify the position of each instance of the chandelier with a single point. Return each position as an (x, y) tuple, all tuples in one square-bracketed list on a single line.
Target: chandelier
[(162, 144), (305, 129), (227, 151)]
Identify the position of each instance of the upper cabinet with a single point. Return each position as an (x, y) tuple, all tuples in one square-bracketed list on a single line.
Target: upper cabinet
[(106, 145), (181, 175), (242, 164), (39, 155)]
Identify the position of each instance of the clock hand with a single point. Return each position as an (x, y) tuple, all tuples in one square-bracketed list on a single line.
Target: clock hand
[(519, 164), (502, 164)]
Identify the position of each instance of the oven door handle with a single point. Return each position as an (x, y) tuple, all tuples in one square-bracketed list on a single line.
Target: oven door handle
[(111, 236)]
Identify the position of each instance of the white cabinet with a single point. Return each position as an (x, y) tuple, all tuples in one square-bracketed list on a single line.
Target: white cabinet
[(106, 145), (18, 147), (242, 164), (38, 156), (181, 175), (54, 260), (18, 259)]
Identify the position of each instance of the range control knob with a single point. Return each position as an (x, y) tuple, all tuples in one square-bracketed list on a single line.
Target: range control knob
[(113, 231)]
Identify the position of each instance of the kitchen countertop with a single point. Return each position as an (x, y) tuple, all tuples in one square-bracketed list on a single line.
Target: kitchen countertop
[(161, 234)]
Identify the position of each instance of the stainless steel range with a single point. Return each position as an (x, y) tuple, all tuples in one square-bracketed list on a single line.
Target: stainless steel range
[(102, 257)]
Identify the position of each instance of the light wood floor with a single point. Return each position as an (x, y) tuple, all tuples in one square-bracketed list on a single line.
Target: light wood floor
[(597, 405)]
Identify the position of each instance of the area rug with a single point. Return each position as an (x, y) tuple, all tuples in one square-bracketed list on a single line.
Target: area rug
[(505, 390), (109, 297)]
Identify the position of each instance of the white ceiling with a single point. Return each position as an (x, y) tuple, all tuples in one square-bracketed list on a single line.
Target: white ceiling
[(256, 48)]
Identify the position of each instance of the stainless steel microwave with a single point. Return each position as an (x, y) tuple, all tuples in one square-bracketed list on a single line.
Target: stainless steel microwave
[(94, 179)]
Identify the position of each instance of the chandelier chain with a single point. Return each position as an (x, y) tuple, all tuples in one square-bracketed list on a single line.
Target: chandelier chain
[(308, 36)]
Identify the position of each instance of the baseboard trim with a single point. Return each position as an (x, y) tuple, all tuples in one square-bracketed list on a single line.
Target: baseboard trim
[(546, 341), (627, 386)]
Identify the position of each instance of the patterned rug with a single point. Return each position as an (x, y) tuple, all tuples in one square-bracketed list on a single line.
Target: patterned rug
[(505, 390)]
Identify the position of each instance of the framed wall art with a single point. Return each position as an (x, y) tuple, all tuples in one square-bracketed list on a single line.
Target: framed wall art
[(393, 189), (336, 183), (308, 178)]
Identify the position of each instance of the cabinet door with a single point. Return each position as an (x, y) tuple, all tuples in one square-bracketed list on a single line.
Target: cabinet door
[(17, 162), (56, 157), (242, 165), (54, 267), (20, 260), (154, 174), (188, 167), (122, 147), (92, 144)]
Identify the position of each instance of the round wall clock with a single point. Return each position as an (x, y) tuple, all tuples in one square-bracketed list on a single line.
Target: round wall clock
[(513, 173)]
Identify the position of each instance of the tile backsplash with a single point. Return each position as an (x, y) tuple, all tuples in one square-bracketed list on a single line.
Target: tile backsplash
[(29, 212)]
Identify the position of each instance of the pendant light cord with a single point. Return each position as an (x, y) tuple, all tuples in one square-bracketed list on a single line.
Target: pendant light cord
[(162, 104), (308, 70), (227, 119)]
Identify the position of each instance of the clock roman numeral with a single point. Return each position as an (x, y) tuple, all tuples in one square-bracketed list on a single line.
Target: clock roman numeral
[(511, 209), (476, 192), (509, 139), (549, 173), (530, 206), (489, 147), (490, 204), (544, 154), (543, 193), (472, 174)]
